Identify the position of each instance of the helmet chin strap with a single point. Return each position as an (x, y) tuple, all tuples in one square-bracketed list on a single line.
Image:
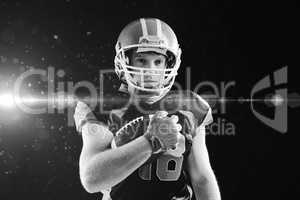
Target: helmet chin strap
[(148, 100)]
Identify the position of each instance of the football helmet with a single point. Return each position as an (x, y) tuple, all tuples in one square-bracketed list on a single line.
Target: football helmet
[(147, 35)]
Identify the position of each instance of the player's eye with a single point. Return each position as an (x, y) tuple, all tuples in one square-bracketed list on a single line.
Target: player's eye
[(141, 61), (157, 62)]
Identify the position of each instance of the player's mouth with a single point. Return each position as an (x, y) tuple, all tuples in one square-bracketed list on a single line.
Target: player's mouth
[(150, 84), (147, 94)]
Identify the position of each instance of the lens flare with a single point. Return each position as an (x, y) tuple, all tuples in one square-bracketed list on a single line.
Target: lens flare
[(7, 101)]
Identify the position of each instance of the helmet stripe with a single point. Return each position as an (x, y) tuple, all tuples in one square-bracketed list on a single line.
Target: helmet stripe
[(144, 27), (158, 28)]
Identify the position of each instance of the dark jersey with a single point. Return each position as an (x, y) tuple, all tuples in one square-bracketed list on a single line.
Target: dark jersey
[(164, 176)]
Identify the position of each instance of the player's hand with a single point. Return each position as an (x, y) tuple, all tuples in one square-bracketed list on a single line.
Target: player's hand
[(82, 114), (165, 130)]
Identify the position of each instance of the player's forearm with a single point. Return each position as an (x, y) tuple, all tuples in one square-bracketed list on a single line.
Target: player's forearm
[(109, 167), (207, 188)]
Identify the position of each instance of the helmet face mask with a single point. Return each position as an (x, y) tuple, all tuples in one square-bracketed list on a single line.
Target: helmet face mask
[(161, 41)]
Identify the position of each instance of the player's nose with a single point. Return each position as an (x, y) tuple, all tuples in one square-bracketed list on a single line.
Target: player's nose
[(150, 68)]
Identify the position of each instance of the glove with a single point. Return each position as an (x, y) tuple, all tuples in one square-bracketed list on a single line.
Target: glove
[(163, 132), (82, 115)]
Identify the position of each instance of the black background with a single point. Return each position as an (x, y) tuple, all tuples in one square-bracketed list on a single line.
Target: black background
[(241, 41)]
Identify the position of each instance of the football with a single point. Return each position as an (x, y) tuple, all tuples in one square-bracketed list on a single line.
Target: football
[(131, 130)]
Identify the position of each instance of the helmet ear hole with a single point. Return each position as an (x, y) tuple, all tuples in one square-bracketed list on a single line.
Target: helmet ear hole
[(170, 59), (127, 60), (128, 56)]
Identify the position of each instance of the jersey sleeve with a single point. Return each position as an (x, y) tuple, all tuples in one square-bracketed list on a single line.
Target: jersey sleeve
[(84, 114), (94, 116), (202, 113), (201, 110), (206, 112)]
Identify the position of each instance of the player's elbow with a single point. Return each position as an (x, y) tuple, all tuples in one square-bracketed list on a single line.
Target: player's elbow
[(202, 179), (88, 187), (206, 187), (92, 183), (88, 179), (89, 184), (92, 186)]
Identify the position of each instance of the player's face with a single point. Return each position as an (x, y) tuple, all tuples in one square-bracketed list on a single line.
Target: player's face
[(149, 61)]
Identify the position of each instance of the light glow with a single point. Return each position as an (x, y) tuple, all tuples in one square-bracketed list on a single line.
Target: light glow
[(7, 101)]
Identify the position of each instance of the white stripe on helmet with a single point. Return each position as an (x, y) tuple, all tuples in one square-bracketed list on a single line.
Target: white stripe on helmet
[(144, 27), (158, 28)]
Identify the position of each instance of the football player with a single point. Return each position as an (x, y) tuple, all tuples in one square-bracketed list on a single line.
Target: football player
[(154, 147)]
